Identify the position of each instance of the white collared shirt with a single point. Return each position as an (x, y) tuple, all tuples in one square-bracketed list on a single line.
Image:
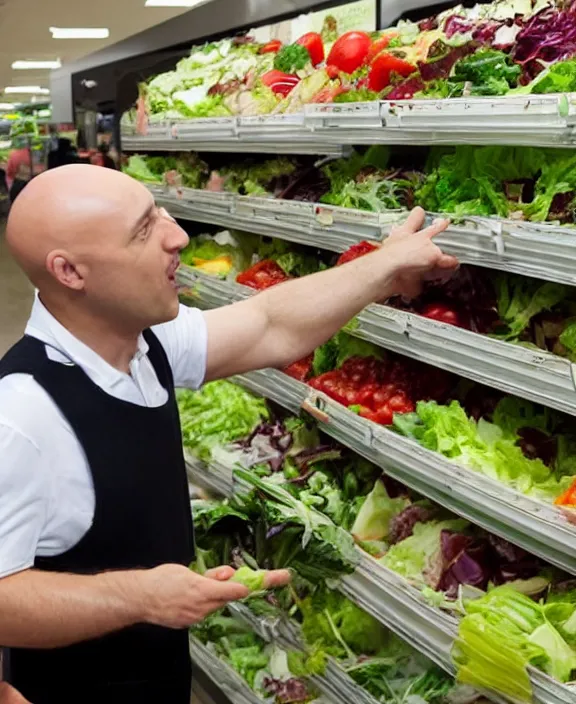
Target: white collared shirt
[(46, 493)]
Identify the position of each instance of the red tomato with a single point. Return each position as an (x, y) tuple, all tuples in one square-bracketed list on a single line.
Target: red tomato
[(272, 47), (382, 68), (369, 414), (366, 395), (350, 51), (313, 43), (333, 72), (383, 395), (356, 251), (401, 404), (441, 313), (281, 83), (301, 369), (384, 416), (378, 47), (350, 396), (262, 275)]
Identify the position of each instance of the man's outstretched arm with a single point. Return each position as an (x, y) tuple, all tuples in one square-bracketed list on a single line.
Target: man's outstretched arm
[(286, 322), (51, 610)]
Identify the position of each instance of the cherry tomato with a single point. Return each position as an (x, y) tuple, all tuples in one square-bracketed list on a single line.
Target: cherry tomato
[(333, 72), (382, 68), (312, 42), (383, 395), (366, 395), (356, 251), (350, 51), (273, 47), (301, 369), (377, 47), (441, 313), (369, 414), (384, 416), (401, 404)]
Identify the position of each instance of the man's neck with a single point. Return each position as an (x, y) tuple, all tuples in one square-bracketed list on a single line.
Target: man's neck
[(114, 344)]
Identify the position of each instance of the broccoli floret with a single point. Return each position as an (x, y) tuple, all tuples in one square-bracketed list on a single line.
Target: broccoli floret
[(291, 58)]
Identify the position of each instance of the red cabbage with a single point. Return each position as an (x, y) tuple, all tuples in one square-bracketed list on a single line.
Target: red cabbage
[(407, 89), (443, 58), (548, 37)]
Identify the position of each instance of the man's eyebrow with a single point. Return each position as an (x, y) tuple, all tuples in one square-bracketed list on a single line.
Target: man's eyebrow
[(143, 219)]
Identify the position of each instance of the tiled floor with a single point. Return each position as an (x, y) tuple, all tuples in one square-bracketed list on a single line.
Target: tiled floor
[(15, 298)]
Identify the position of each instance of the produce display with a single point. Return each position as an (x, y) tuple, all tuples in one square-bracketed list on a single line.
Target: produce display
[(373, 657), (519, 183), (508, 47), (301, 478), (303, 501)]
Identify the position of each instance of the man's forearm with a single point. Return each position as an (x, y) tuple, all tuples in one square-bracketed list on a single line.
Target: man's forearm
[(50, 610), (286, 322), (303, 314)]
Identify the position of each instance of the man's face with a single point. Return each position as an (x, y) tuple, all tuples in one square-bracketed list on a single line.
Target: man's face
[(130, 272)]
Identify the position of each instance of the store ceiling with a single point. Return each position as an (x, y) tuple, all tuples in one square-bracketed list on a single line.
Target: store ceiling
[(25, 35)]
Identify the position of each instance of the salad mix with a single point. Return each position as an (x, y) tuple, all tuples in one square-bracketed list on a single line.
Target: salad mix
[(508, 47), (519, 183), (301, 479)]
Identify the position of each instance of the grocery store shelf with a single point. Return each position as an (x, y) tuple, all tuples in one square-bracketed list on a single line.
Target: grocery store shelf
[(535, 120), (277, 134), (395, 603), (543, 251), (540, 528), (539, 376)]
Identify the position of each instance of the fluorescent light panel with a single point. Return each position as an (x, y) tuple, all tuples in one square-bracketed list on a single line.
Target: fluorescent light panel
[(27, 89), (24, 65), (80, 32), (174, 3)]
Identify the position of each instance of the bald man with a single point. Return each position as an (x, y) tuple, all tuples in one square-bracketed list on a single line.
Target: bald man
[(95, 527)]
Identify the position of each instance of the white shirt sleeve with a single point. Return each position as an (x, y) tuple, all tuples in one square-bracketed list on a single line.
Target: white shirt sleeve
[(24, 501), (185, 341)]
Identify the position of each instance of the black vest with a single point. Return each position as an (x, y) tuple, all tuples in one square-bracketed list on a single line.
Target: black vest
[(142, 519)]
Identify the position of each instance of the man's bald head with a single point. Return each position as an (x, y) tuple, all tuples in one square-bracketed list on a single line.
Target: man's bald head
[(96, 246), (67, 208)]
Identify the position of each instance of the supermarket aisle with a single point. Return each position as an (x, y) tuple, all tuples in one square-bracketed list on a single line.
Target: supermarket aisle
[(15, 298)]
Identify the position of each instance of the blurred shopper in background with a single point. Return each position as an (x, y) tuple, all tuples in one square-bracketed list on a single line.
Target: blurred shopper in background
[(18, 171), (102, 157), (64, 154)]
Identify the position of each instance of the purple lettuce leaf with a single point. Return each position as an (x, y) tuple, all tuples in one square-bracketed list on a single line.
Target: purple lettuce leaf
[(289, 691)]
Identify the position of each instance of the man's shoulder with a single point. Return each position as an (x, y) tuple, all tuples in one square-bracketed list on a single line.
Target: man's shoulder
[(25, 407)]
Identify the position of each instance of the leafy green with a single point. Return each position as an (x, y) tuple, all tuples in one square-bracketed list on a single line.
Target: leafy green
[(416, 556), (490, 72), (292, 58), (139, 169), (338, 349), (220, 413), (520, 299), (378, 509), (253, 579), (253, 178), (559, 77), (483, 447), (359, 95)]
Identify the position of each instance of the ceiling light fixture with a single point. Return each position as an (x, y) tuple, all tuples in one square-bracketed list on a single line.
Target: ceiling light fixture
[(80, 32), (24, 65), (27, 89), (174, 3)]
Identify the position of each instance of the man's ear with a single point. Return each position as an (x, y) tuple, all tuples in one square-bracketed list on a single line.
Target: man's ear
[(63, 269)]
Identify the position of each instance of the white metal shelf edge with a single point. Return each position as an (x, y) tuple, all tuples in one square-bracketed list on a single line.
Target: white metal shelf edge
[(547, 120)]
